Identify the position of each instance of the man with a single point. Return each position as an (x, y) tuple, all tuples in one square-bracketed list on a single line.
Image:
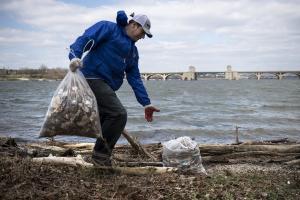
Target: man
[(112, 55)]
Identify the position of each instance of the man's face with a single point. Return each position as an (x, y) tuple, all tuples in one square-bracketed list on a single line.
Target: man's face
[(137, 32)]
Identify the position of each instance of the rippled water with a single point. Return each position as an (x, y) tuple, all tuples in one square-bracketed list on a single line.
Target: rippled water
[(207, 110)]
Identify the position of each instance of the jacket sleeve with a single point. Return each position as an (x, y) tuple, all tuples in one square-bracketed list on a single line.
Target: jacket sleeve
[(99, 32), (134, 79)]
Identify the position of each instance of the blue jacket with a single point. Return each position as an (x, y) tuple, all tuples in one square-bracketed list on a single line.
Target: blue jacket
[(112, 55)]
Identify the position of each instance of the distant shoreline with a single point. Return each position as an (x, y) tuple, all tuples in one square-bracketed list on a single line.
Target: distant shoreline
[(44, 73), (28, 79), (9, 78), (33, 74)]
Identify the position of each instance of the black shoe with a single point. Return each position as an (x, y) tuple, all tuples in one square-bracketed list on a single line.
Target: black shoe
[(100, 159)]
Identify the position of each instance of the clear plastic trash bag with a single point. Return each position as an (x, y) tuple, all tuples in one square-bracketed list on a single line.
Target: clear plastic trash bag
[(73, 109), (184, 154)]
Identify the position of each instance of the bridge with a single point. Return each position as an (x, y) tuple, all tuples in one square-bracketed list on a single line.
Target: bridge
[(271, 74), (228, 74)]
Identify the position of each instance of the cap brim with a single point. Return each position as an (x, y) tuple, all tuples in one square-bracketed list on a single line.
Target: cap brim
[(148, 33)]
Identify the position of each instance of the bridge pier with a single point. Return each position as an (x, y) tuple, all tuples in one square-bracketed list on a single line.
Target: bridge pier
[(164, 76), (188, 76), (145, 76), (279, 75), (258, 75)]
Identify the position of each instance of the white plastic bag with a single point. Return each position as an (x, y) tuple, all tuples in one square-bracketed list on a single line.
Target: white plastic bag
[(73, 109), (183, 153)]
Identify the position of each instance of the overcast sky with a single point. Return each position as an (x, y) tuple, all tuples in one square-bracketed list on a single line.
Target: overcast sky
[(246, 34)]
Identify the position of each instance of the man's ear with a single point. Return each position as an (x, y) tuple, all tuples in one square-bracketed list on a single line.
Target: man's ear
[(131, 25)]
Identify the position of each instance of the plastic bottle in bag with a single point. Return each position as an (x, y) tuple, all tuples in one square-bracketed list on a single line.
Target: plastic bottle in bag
[(184, 154)]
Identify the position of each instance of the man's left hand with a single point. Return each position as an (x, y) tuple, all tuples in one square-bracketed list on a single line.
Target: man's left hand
[(149, 109), (75, 63)]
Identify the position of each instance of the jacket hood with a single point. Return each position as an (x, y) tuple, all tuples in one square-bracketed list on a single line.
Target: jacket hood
[(121, 18)]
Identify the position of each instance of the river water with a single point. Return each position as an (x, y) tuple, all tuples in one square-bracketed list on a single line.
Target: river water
[(206, 110)]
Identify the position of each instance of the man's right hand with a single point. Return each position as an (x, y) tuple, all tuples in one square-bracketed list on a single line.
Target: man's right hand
[(75, 63), (149, 109)]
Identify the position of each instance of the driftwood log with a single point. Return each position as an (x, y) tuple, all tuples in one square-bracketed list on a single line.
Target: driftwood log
[(78, 161), (73, 161), (225, 149), (247, 153), (139, 170)]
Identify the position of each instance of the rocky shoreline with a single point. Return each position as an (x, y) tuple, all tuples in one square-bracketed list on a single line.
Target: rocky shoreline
[(251, 170)]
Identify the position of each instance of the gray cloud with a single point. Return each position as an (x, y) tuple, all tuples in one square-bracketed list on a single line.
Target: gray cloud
[(247, 34)]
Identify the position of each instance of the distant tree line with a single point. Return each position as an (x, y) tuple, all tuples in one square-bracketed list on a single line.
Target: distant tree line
[(43, 72)]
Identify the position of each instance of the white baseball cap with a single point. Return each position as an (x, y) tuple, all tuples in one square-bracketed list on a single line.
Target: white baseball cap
[(144, 21)]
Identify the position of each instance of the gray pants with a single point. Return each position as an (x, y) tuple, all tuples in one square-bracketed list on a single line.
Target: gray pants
[(113, 116)]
